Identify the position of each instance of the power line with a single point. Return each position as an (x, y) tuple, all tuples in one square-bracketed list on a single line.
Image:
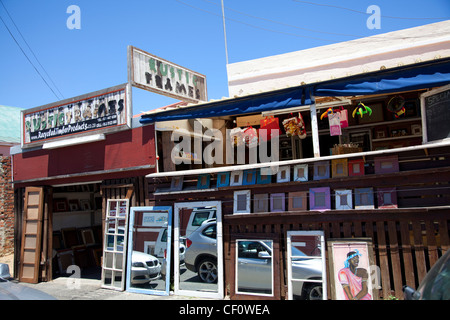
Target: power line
[(23, 38), (365, 13)]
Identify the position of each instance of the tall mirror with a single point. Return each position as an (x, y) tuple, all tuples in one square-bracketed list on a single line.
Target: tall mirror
[(198, 268), (149, 248), (254, 267), (306, 265)]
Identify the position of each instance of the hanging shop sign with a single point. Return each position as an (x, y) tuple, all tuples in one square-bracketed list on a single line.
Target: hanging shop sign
[(154, 74), (102, 111)]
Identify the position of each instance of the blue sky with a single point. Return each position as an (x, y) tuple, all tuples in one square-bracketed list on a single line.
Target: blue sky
[(186, 32)]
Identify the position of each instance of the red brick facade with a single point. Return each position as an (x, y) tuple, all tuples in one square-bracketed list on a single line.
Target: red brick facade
[(6, 207)]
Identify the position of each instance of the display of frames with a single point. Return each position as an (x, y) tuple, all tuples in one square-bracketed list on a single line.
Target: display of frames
[(343, 199), (387, 198), (203, 181), (321, 170), (261, 202), (356, 167), (241, 203), (249, 177), (284, 174), (236, 178), (263, 176), (223, 179), (298, 201), (364, 198), (339, 168), (319, 199), (387, 164), (301, 172), (177, 183), (277, 202)]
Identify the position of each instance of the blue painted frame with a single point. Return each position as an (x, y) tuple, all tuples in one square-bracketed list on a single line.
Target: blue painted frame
[(260, 180), (254, 174), (199, 181), (227, 179), (131, 222), (317, 166)]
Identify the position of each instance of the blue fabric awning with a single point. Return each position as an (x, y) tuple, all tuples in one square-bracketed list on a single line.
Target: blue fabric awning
[(280, 99), (412, 77)]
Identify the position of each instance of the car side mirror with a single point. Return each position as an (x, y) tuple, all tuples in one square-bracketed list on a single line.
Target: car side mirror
[(4, 271), (410, 294), (264, 255)]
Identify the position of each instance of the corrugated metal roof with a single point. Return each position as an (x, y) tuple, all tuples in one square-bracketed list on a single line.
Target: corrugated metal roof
[(10, 124)]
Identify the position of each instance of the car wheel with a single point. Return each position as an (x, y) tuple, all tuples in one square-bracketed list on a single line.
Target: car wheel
[(313, 292), (207, 270)]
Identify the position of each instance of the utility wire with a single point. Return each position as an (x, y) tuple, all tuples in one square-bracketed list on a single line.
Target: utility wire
[(23, 38), (365, 13)]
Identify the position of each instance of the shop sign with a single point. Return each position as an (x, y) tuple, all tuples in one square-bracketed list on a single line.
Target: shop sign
[(154, 74), (98, 112)]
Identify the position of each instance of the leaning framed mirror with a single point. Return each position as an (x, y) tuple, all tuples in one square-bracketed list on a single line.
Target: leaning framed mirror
[(149, 250)]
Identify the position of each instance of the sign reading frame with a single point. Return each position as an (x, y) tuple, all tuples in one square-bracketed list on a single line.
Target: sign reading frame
[(103, 111), (151, 73)]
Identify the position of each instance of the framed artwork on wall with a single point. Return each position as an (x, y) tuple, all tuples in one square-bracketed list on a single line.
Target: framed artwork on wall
[(223, 179), (298, 201), (387, 198), (277, 202), (343, 199), (321, 170), (319, 199), (284, 174), (261, 202), (339, 168), (350, 260), (301, 172), (177, 183), (241, 203), (263, 176), (364, 198), (236, 178)]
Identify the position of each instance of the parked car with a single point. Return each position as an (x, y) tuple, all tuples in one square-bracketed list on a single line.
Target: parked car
[(198, 216), (435, 285), (11, 290), (161, 245), (201, 257)]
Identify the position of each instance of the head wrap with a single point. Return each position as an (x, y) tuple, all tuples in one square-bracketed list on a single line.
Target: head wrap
[(351, 255)]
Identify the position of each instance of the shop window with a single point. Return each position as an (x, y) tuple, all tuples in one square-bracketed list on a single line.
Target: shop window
[(306, 270)]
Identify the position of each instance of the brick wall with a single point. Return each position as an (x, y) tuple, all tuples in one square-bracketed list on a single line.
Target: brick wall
[(6, 207)]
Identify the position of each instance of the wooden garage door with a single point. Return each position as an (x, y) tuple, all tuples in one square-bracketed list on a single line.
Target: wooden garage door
[(31, 235)]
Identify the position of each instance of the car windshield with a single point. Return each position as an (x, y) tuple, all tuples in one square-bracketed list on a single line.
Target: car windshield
[(436, 285)]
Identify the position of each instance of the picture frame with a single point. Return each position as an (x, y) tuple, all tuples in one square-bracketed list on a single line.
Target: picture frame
[(249, 177), (364, 198), (387, 164), (241, 202), (380, 133), (387, 198), (74, 205), (284, 174), (177, 183), (277, 202), (60, 205), (321, 170), (416, 129), (339, 168), (261, 202), (347, 259), (236, 178), (298, 201), (319, 199), (356, 167), (85, 204), (203, 181), (262, 177), (223, 179), (343, 199), (301, 172)]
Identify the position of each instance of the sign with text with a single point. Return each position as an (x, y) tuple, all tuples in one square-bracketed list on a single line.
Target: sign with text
[(98, 112), (154, 74)]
